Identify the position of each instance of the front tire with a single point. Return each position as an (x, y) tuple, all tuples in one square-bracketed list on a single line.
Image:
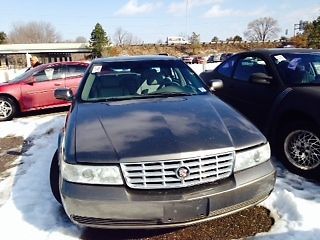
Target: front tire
[(8, 108), (299, 148), (54, 177)]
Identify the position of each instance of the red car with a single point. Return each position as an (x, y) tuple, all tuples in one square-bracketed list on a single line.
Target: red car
[(33, 90), (187, 59), (199, 60)]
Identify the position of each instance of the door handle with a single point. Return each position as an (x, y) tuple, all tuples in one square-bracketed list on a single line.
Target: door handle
[(57, 84)]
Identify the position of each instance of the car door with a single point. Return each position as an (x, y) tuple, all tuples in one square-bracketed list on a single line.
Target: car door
[(39, 90), (74, 75), (254, 99)]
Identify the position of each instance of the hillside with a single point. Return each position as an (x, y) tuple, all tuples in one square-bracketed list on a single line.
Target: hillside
[(204, 49)]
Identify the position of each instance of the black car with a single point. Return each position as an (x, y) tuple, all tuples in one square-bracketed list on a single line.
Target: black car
[(147, 145), (225, 56), (279, 91)]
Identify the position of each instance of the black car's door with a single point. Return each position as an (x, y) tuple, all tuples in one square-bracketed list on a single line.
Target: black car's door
[(251, 97)]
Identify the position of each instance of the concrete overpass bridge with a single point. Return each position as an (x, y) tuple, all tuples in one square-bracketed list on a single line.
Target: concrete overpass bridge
[(46, 52)]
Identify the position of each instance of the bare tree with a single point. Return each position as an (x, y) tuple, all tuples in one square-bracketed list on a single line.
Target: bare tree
[(33, 32), (133, 40), (194, 39), (262, 29), (81, 39), (122, 37)]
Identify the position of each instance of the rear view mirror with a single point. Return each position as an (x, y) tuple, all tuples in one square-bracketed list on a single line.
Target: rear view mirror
[(260, 78), (63, 94)]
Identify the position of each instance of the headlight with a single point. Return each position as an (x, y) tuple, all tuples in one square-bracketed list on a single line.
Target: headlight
[(252, 157), (103, 175)]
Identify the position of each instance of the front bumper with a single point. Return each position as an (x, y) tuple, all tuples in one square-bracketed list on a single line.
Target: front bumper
[(121, 207)]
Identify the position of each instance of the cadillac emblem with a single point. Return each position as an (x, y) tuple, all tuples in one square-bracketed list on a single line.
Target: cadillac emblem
[(182, 172)]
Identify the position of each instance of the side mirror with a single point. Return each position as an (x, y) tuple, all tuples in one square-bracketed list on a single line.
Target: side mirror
[(260, 78), (63, 94), (215, 84), (30, 81)]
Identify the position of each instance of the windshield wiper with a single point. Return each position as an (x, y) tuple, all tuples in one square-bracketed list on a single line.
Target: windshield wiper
[(150, 95), (118, 98), (169, 94)]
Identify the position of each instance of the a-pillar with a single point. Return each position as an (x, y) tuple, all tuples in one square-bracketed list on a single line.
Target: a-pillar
[(28, 56)]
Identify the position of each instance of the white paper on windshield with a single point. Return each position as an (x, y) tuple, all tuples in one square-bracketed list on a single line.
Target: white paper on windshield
[(202, 89), (96, 69), (280, 58)]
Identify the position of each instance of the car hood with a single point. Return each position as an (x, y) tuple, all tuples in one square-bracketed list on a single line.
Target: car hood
[(157, 128)]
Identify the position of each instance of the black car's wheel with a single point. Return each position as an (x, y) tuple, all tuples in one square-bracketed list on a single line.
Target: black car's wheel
[(54, 177), (299, 148), (8, 108)]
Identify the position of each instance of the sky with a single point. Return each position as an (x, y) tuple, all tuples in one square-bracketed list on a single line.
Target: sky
[(154, 20), (27, 205)]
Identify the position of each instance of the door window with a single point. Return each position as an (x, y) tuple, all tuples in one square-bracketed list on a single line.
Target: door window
[(76, 70), (226, 68), (249, 65), (50, 73)]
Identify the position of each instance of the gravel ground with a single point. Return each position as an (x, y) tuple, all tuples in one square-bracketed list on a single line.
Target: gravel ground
[(10, 149), (240, 225)]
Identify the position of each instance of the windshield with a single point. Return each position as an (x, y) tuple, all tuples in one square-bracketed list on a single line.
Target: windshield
[(23, 76), (140, 79), (298, 68)]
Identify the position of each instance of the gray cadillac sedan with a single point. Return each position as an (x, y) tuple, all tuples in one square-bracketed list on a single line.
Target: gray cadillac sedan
[(146, 144)]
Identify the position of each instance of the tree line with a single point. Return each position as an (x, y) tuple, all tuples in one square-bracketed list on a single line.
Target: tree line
[(262, 29)]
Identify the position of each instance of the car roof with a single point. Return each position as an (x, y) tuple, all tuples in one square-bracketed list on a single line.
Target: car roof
[(134, 58), (272, 51), (64, 63), (45, 65)]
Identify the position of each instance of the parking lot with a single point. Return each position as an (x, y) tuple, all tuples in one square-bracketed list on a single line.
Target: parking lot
[(27, 201)]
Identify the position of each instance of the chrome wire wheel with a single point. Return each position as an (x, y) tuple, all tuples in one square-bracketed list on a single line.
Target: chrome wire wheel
[(6, 109), (302, 149)]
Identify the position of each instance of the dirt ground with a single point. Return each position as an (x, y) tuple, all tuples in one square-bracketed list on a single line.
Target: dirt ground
[(240, 225), (243, 224)]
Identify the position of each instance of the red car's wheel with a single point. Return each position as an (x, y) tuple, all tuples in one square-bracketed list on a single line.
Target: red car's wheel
[(8, 108)]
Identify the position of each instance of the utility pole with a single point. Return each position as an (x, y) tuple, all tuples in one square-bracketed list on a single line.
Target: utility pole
[(299, 26), (187, 20)]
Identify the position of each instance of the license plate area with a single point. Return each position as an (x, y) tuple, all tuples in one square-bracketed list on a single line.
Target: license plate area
[(186, 211)]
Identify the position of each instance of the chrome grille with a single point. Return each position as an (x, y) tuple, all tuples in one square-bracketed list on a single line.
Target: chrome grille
[(163, 174)]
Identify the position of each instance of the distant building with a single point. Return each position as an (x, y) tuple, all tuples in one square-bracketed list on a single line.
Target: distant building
[(176, 40)]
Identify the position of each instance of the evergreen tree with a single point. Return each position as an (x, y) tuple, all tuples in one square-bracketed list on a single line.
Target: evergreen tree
[(237, 38), (3, 37), (99, 41), (310, 37), (312, 31), (215, 39)]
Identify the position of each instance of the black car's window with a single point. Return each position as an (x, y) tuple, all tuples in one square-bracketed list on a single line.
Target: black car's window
[(134, 79), (75, 70), (50, 73), (249, 65), (298, 68), (226, 67)]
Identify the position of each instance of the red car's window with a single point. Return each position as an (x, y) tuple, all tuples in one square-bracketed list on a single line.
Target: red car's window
[(50, 73), (75, 70)]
